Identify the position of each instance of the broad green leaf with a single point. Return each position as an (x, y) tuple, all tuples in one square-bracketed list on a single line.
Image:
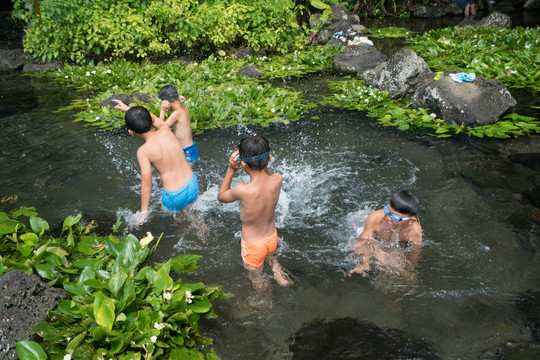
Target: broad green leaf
[(38, 225), (46, 271), (8, 226), (74, 289), (30, 237), (70, 221), (104, 311), (162, 281), (75, 342), (30, 350), (116, 282), (200, 306)]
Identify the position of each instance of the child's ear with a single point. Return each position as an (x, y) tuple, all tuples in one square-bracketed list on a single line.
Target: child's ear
[(131, 132)]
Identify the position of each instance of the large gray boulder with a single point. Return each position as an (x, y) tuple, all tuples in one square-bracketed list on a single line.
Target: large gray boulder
[(402, 74), (24, 302), (358, 58), (481, 102), (494, 20), (127, 99), (429, 12)]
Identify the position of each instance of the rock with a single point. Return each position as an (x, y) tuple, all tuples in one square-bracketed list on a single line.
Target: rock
[(358, 58), (343, 20), (12, 59), (481, 102), (403, 73), (127, 99), (246, 53), (453, 9), (251, 71), (39, 67), (24, 302), (494, 20), (429, 12)]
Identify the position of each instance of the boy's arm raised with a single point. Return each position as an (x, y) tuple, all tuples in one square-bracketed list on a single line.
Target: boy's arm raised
[(226, 194)]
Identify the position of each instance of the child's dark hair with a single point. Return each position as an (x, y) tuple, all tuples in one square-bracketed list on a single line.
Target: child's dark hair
[(138, 119), (405, 202), (253, 146), (168, 92)]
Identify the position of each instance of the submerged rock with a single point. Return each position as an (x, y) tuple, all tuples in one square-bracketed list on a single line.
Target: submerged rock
[(494, 20), (251, 71), (127, 99), (24, 302), (348, 338)]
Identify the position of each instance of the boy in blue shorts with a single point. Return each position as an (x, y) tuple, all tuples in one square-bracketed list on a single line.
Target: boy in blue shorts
[(179, 120), (161, 150)]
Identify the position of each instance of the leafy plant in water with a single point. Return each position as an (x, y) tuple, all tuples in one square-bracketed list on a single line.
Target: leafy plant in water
[(508, 55), (120, 307), (355, 95), (390, 32)]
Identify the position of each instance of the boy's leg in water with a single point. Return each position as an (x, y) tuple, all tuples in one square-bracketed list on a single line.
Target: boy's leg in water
[(261, 285), (282, 276), (467, 10)]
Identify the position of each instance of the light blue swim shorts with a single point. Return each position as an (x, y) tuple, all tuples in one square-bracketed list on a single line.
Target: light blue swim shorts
[(192, 152), (177, 200)]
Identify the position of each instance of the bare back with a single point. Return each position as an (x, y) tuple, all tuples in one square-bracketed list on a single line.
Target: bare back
[(258, 203), (163, 152), (180, 120)]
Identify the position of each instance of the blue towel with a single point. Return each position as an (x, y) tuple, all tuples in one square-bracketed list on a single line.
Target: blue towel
[(461, 77)]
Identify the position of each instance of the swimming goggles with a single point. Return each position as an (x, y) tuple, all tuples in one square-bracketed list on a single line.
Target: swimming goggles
[(395, 217), (255, 158)]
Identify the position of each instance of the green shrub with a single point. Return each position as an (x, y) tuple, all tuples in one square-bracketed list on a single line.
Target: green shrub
[(119, 307)]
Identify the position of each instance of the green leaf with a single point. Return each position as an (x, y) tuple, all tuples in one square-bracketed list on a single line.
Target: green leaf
[(38, 225), (30, 350), (46, 271), (70, 221), (75, 342), (104, 311), (162, 281), (200, 306), (116, 282)]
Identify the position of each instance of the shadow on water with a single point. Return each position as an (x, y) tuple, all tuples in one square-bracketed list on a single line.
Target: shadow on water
[(352, 339)]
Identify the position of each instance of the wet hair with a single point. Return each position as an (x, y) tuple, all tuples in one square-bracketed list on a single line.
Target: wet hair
[(253, 146), (168, 92), (138, 119), (405, 202)]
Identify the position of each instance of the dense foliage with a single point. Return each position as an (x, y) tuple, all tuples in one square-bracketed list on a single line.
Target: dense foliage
[(119, 307), (511, 56), (150, 29), (216, 95)]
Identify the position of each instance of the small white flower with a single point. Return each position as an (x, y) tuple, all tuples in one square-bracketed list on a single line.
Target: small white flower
[(289, 68), (167, 296), (97, 117), (273, 110), (159, 326), (90, 83), (87, 73), (189, 297), (87, 99), (91, 111), (433, 115), (283, 68), (229, 89), (67, 357), (109, 71), (66, 76), (492, 45), (153, 339), (93, 71), (258, 109), (343, 96), (228, 75)]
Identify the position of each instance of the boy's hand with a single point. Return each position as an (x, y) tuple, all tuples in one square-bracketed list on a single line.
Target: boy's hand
[(120, 105), (233, 161), (165, 105)]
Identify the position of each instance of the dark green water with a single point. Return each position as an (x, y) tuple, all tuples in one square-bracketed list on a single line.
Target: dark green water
[(464, 300)]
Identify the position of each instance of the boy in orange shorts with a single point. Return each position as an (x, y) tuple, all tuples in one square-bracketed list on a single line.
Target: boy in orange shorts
[(258, 201)]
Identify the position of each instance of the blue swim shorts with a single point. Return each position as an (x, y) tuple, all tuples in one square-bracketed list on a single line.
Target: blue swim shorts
[(192, 152), (174, 201)]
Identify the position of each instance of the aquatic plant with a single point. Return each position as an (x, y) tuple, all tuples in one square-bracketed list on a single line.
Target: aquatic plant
[(215, 94), (390, 32), (119, 307), (354, 94), (511, 56)]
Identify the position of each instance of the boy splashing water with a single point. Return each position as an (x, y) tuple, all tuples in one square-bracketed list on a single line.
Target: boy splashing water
[(258, 201)]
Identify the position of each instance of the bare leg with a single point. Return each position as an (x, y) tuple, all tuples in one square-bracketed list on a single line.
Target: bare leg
[(467, 10), (282, 276), (473, 11), (261, 285)]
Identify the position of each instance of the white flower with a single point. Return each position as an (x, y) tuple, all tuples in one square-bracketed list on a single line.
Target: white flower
[(228, 75), (159, 326), (153, 339), (90, 83), (97, 117), (109, 71), (433, 115), (273, 110), (283, 68), (87, 73), (167, 296), (258, 109), (189, 297), (91, 111), (87, 99), (67, 357), (66, 76), (229, 89), (93, 71)]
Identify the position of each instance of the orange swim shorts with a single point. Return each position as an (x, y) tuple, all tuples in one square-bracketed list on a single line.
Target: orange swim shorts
[(254, 252)]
